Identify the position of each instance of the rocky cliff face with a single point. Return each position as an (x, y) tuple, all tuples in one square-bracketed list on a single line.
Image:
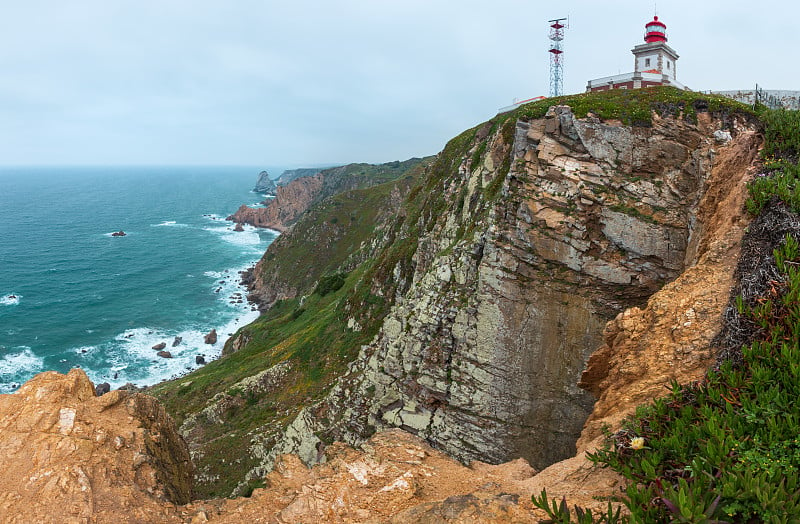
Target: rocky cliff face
[(530, 243), (265, 184), (289, 203), (543, 230)]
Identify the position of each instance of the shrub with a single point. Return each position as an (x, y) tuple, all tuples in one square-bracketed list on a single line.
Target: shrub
[(330, 284)]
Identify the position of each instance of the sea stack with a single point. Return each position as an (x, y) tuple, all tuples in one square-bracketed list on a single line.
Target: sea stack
[(265, 184)]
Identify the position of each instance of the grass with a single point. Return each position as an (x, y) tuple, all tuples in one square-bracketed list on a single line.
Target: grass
[(636, 106)]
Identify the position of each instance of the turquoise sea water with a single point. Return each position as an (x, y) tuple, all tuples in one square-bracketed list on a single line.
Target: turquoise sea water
[(72, 295)]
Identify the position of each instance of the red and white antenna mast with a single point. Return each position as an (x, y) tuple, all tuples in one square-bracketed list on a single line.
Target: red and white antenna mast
[(557, 56)]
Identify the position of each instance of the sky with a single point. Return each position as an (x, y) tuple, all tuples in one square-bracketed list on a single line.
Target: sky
[(311, 82)]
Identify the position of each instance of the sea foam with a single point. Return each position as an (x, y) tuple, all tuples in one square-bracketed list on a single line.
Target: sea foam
[(23, 360), (12, 299), (169, 223)]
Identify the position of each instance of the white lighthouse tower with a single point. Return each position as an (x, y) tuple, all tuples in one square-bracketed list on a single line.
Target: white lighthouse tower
[(654, 63), (655, 56)]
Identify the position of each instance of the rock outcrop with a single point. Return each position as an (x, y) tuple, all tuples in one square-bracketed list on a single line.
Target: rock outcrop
[(671, 337), (70, 456), (555, 228), (265, 184)]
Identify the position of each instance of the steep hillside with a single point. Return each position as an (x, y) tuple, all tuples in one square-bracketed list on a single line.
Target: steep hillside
[(469, 314), (295, 350)]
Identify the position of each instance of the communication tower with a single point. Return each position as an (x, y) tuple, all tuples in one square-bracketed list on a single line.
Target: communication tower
[(557, 56)]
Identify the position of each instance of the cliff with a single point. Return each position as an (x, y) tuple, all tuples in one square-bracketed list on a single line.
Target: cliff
[(293, 199), (541, 231), (469, 313), (265, 184), (462, 304)]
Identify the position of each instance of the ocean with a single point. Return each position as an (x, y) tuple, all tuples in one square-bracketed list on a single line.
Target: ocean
[(73, 295)]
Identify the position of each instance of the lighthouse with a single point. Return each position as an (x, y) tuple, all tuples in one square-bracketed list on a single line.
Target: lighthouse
[(655, 56), (655, 63)]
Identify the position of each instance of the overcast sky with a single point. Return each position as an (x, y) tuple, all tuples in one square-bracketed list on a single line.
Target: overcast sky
[(302, 82)]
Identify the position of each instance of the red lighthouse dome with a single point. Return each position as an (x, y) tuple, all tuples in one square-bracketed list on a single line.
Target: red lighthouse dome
[(655, 31)]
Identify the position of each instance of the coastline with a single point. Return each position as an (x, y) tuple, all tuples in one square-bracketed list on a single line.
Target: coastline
[(99, 303)]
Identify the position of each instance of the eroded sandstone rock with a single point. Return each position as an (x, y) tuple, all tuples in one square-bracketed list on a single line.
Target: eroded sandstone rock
[(70, 456)]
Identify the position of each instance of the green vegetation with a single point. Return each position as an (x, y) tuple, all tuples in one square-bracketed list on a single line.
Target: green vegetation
[(727, 449), (559, 512), (780, 154), (330, 283), (635, 106)]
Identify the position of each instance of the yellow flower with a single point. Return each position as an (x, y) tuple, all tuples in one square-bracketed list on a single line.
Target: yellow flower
[(637, 442)]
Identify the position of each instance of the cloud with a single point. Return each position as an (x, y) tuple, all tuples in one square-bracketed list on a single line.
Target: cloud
[(312, 81)]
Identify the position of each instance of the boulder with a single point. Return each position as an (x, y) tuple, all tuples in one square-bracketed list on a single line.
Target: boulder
[(177, 341), (102, 388), (164, 354), (160, 346), (211, 338), (70, 456), (238, 227), (199, 360)]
